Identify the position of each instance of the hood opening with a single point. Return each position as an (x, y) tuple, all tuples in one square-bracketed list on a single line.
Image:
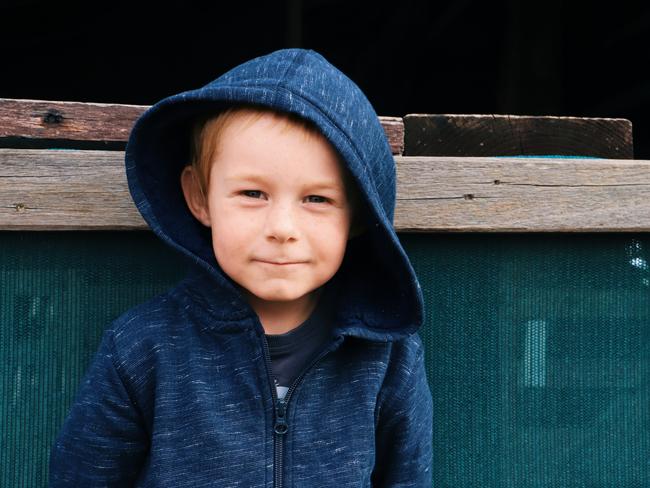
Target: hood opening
[(377, 285)]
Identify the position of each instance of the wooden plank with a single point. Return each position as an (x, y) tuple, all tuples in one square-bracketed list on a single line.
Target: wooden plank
[(511, 135), (65, 190), (73, 121), (394, 129), (523, 194), (69, 189), (99, 122)]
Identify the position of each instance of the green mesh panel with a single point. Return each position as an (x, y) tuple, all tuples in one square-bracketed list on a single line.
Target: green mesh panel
[(58, 292), (538, 358), (538, 348)]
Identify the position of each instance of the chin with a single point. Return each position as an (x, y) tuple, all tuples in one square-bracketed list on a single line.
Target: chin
[(281, 297), (276, 295)]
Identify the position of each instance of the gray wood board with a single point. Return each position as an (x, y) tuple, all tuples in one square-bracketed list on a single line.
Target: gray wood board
[(71, 189)]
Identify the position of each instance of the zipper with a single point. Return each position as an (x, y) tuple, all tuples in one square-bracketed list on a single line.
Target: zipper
[(280, 425)]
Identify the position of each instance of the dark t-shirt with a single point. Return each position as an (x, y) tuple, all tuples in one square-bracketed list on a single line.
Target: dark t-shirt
[(293, 351)]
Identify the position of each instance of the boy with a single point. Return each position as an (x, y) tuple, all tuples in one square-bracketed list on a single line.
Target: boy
[(289, 356)]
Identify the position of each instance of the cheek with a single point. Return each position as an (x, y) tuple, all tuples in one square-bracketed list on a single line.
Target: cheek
[(230, 238), (330, 238)]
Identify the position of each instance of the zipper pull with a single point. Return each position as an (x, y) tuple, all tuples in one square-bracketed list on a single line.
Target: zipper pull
[(280, 426)]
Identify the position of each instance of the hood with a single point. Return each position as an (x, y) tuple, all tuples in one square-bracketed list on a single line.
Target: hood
[(379, 294)]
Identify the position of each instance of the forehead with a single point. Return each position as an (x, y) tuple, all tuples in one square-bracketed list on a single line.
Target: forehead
[(265, 143)]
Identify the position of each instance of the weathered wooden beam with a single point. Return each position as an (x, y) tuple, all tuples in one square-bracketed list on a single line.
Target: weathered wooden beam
[(84, 190), (99, 122), (43, 189), (394, 129), (522, 195), (511, 135), (71, 121)]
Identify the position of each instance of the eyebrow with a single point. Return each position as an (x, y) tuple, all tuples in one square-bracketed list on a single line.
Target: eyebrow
[(321, 185), (243, 177)]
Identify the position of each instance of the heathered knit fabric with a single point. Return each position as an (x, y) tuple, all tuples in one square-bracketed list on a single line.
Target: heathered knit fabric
[(179, 392)]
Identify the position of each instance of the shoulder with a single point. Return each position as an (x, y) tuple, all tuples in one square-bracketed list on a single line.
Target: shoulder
[(392, 359), (145, 317), (146, 340), (143, 329), (405, 367), (406, 353)]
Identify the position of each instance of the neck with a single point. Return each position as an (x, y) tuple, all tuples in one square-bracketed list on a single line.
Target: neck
[(282, 317)]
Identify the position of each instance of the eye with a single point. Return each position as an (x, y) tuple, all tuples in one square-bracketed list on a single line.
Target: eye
[(318, 198), (252, 193)]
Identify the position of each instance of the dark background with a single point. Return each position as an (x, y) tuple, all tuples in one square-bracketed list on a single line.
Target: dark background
[(555, 57)]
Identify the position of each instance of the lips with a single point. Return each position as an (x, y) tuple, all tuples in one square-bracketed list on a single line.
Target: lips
[(279, 262)]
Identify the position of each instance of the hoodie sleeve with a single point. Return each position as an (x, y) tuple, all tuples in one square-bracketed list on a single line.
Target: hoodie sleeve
[(103, 441), (404, 434)]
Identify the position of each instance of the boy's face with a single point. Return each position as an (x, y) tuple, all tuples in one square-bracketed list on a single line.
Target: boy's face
[(278, 210)]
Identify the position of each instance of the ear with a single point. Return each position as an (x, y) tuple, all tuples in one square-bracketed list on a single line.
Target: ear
[(194, 197)]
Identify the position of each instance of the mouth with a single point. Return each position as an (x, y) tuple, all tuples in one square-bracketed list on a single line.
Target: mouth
[(281, 263)]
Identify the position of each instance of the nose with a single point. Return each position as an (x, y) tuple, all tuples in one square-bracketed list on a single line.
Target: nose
[(281, 222)]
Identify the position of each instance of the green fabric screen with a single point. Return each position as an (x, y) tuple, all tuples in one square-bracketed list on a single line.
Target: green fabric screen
[(538, 348)]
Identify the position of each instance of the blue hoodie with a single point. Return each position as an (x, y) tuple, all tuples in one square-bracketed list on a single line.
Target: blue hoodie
[(180, 394)]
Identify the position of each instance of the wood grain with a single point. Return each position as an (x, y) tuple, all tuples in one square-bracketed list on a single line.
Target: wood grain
[(511, 135), (78, 121), (73, 190), (522, 194), (100, 122), (65, 189)]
